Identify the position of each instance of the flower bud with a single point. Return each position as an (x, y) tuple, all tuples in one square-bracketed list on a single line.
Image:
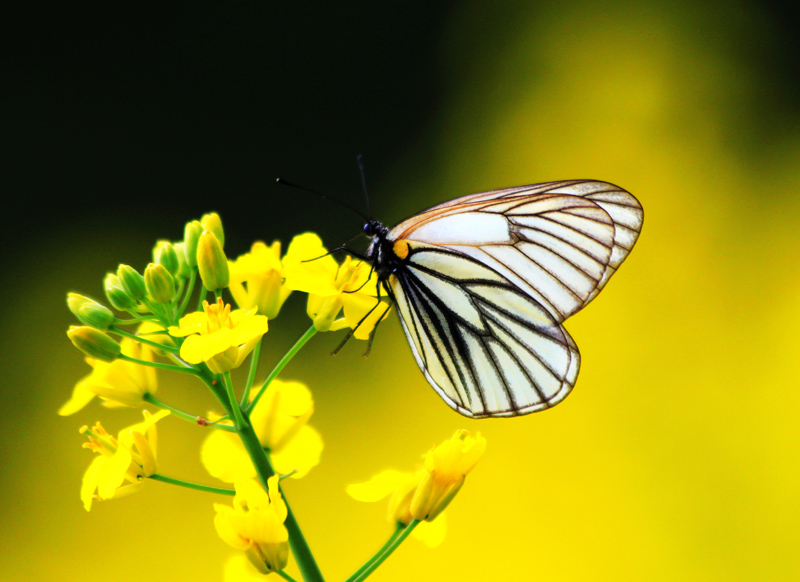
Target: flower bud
[(323, 310), (94, 343), (211, 262), (116, 294), (132, 282), (191, 235), (90, 312), (164, 254), (268, 557), (212, 222), (159, 283), (184, 270), (446, 468), (432, 497)]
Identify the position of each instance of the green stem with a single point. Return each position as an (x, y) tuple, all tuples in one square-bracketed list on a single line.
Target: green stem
[(190, 485), (251, 374), (173, 305), (310, 332), (300, 549), (201, 297), (285, 576), (198, 420), (133, 321), (377, 560), (185, 370), (159, 311), (189, 290), (143, 340), (220, 392), (365, 566), (238, 419)]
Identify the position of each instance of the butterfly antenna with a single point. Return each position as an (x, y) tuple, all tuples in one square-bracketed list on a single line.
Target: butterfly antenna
[(338, 250), (339, 202), (360, 160)]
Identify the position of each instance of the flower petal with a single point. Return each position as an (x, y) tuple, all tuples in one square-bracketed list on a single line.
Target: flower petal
[(111, 474), (248, 328), (89, 482), (199, 348), (302, 453), (379, 486), (431, 533), (225, 524), (225, 458), (317, 274), (81, 396), (356, 306)]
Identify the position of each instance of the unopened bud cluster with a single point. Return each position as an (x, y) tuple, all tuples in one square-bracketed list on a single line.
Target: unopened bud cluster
[(156, 289)]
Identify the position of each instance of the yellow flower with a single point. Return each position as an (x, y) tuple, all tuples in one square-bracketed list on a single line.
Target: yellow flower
[(218, 336), (123, 462), (351, 287), (446, 468), (280, 421), (255, 524), (400, 488), (423, 495), (117, 383), (256, 279)]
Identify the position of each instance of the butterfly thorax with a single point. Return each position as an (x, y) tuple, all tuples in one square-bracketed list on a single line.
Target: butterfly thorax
[(381, 251)]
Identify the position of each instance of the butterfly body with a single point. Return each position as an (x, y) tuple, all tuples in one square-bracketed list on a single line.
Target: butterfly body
[(482, 284)]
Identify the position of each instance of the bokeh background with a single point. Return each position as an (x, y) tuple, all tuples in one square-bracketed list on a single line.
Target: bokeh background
[(676, 457)]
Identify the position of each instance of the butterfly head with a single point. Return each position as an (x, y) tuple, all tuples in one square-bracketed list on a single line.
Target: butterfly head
[(380, 252), (375, 229)]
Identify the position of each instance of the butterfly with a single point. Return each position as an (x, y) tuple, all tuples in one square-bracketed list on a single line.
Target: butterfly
[(484, 282)]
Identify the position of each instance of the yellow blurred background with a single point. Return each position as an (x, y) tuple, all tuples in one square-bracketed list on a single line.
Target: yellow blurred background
[(675, 458)]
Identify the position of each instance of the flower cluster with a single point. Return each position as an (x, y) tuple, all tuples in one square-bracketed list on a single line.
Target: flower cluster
[(192, 311)]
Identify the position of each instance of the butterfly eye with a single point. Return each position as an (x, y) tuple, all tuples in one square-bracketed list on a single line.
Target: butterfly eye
[(371, 228)]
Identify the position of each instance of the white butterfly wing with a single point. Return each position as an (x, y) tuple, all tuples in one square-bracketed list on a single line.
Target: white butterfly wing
[(559, 242), (486, 347), (490, 277)]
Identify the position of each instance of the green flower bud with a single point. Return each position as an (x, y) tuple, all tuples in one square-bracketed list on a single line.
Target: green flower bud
[(159, 283), (90, 312), (132, 282), (116, 294), (212, 263), (184, 270), (164, 254), (191, 235), (94, 343), (212, 222)]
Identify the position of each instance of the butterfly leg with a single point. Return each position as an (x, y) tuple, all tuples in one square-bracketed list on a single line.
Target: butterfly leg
[(362, 320), (369, 276), (375, 329)]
